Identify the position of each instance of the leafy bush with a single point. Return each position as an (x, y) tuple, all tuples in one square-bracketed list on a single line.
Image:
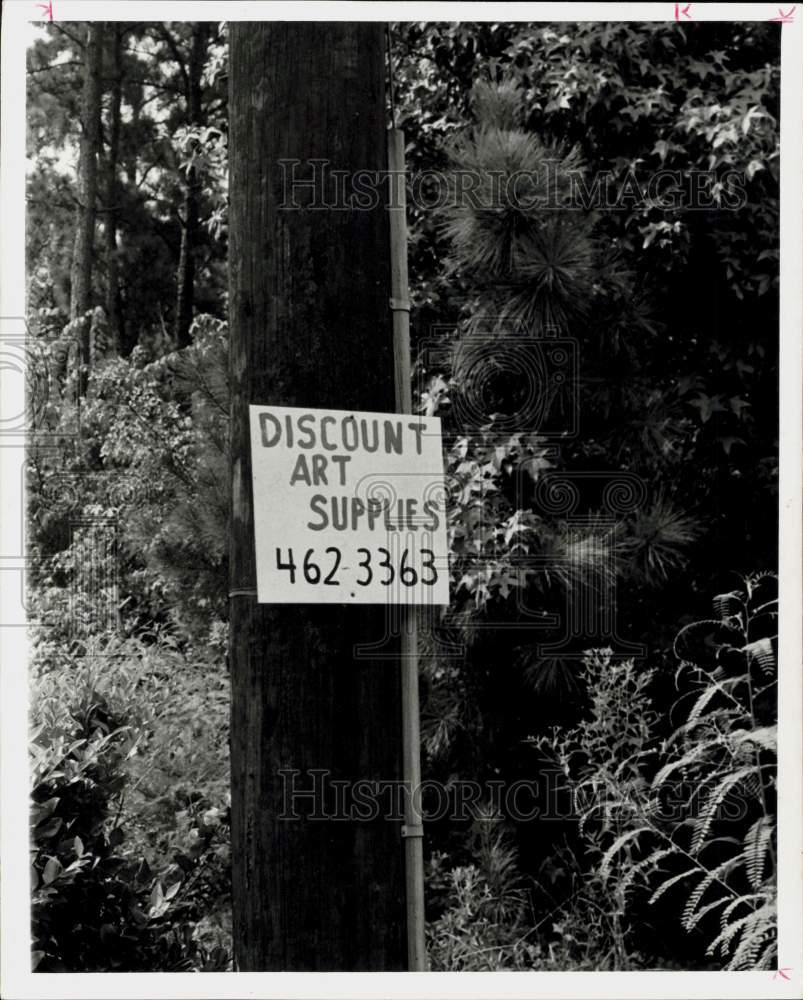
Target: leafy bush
[(98, 905), (484, 925), (146, 455), (492, 918), (694, 809)]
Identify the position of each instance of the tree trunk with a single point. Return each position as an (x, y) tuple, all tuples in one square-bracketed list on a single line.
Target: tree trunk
[(112, 190), (189, 232), (83, 248), (310, 326)]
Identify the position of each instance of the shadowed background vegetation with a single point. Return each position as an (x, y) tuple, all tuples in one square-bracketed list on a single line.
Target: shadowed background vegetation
[(671, 313)]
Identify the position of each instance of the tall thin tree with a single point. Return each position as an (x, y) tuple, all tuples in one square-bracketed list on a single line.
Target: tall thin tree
[(185, 292), (83, 248), (112, 187)]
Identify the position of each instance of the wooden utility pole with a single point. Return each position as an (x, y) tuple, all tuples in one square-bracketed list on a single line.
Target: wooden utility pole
[(310, 326)]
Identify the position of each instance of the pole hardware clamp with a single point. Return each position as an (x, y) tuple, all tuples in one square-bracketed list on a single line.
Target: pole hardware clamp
[(399, 305), (412, 830)]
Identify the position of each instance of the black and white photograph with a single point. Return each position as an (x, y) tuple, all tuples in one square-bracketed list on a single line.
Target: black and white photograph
[(401, 486)]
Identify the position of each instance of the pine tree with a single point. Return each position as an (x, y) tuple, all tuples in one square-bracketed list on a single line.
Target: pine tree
[(83, 250)]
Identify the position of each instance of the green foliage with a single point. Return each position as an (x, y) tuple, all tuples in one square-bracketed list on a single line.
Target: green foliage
[(726, 750), (167, 432), (146, 453), (533, 264), (536, 271), (665, 306), (157, 143), (483, 926), (678, 385), (668, 308), (134, 505), (602, 759), (587, 930), (660, 538), (99, 905), (489, 916), (695, 809)]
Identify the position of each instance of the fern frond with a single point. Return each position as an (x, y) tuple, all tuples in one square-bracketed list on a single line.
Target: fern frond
[(616, 846), (762, 651), (768, 608), (699, 706), (633, 871), (697, 728), (765, 737), (756, 952), (664, 886), (708, 908), (756, 848), (728, 605), (695, 642), (742, 900), (703, 824), (739, 926), (711, 876), (696, 753)]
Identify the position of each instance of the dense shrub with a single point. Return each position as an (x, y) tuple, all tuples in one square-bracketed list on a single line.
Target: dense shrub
[(100, 902), (484, 921), (689, 811)]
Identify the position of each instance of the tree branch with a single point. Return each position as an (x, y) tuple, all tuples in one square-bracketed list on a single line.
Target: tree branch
[(68, 34), (174, 49), (44, 69)]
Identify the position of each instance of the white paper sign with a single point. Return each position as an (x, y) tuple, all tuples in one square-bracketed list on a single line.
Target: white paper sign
[(349, 507)]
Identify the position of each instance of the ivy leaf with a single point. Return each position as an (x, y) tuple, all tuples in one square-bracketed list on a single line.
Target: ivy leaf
[(42, 810), (52, 871), (753, 168), (534, 466), (49, 829), (707, 405), (156, 900), (737, 405), (514, 527), (753, 113), (172, 890)]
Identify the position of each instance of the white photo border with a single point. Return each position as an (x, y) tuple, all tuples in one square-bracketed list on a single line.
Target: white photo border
[(17, 982)]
